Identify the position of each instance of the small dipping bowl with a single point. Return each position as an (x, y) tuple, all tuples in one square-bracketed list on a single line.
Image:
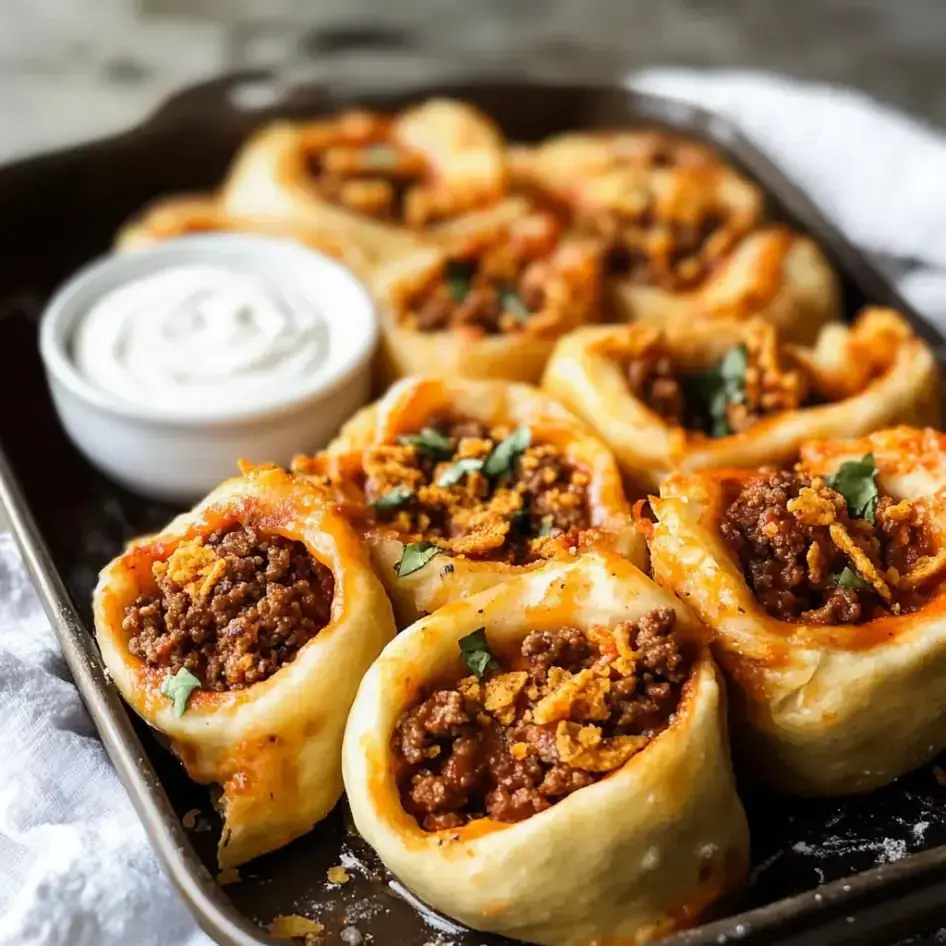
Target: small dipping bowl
[(168, 454)]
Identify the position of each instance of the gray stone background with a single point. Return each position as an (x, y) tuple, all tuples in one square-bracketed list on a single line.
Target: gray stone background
[(75, 69), (71, 69)]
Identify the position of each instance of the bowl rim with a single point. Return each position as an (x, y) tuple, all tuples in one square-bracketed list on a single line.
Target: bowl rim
[(91, 281)]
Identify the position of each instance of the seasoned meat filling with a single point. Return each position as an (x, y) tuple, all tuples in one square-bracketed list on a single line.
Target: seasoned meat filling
[(232, 609), (479, 492), (755, 379), (497, 290), (572, 707), (353, 163), (810, 557)]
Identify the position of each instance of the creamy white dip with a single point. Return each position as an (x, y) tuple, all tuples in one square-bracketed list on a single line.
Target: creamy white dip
[(201, 337)]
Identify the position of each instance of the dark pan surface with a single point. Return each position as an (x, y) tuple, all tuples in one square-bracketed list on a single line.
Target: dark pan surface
[(58, 212)]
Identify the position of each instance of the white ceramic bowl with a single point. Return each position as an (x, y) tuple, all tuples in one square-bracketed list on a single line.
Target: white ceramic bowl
[(165, 455)]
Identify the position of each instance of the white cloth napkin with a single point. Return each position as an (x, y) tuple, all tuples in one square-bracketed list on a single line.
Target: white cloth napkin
[(75, 867)]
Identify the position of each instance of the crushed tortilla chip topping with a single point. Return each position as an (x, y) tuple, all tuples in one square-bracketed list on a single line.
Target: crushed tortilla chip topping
[(580, 696), (231, 876), (584, 747), (192, 566), (536, 509), (571, 706), (809, 557), (293, 926), (338, 875)]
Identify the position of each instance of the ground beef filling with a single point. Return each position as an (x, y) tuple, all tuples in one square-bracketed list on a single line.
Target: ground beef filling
[(354, 163), (536, 509), (769, 380), (232, 609), (674, 255), (574, 707), (806, 559), (497, 290)]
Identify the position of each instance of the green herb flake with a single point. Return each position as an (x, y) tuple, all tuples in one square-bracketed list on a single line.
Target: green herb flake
[(381, 157), (502, 461), (394, 498), (476, 653), (178, 688), (429, 441), (511, 302), (720, 386), (856, 481), (848, 578), (453, 474), (414, 557), (459, 276)]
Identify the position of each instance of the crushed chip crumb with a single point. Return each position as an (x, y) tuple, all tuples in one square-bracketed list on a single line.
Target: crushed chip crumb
[(231, 876), (583, 747), (582, 696), (190, 819), (501, 693), (338, 875), (293, 926)]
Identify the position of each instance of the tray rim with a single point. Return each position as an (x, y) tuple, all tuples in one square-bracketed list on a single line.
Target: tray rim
[(842, 899)]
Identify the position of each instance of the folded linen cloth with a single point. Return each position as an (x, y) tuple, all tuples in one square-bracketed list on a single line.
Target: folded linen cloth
[(75, 866)]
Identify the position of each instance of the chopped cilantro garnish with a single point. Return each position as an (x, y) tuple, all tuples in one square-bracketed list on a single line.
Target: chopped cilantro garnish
[(178, 688), (856, 481), (414, 557), (394, 498), (476, 653), (848, 578), (502, 461), (429, 441), (720, 386), (453, 474)]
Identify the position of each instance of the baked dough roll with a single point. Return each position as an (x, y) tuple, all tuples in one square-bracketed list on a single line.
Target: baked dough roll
[(548, 760), (242, 632), (490, 301), (824, 587), (683, 231), (708, 397), (366, 177), (187, 214), (460, 484)]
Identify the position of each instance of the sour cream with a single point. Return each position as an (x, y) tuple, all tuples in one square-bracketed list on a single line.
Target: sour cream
[(202, 337)]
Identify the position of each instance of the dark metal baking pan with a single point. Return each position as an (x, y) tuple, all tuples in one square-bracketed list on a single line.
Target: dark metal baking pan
[(824, 872)]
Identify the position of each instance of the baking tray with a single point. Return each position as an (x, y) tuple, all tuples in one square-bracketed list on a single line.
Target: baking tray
[(863, 870)]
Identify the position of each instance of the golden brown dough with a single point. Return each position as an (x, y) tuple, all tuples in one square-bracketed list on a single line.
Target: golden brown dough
[(266, 725), (826, 599), (490, 300), (685, 234), (644, 390), (553, 494), (633, 856), (366, 177), (186, 214)]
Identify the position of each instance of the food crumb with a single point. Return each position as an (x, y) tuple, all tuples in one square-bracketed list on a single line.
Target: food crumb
[(352, 936), (231, 876), (190, 819), (293, 926), (338, 875), (939, 774)]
